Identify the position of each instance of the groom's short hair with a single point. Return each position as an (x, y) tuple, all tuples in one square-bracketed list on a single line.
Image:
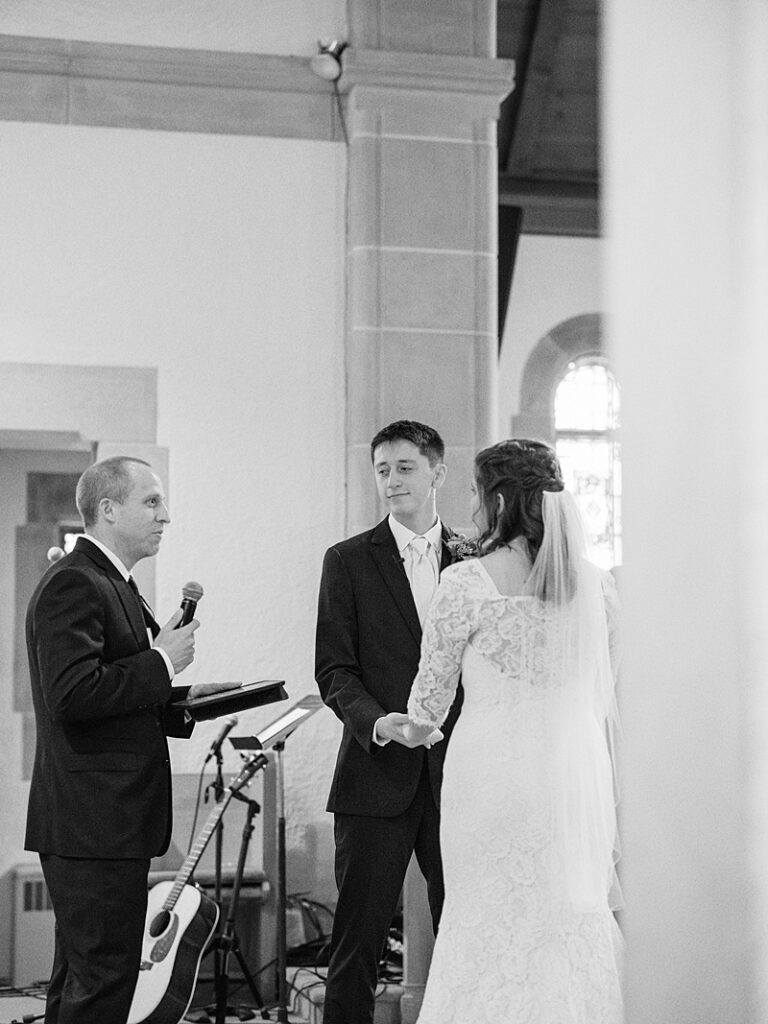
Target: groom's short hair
[(426, 439)]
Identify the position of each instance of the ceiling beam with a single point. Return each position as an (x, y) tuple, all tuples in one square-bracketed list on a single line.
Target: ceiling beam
[(553, 207)]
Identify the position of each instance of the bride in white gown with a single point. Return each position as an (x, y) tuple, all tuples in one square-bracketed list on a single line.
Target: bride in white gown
[(528, 833)]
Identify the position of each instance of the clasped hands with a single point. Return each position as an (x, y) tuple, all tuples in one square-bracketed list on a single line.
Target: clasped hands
[(398, 727)]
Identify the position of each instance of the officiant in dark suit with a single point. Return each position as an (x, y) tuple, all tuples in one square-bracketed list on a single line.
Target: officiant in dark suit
[(100, 799), (374, 593)]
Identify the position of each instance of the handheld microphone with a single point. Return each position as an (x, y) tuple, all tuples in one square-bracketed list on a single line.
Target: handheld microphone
[(190, 594), (226, 729), (54, 554)]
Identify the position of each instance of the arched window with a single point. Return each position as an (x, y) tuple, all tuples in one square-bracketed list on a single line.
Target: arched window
[(586, 439)]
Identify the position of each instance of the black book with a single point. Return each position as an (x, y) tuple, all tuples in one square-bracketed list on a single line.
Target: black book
[(239, 698)]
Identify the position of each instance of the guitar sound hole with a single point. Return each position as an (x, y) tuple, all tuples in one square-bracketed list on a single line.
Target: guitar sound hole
[(159, 924)]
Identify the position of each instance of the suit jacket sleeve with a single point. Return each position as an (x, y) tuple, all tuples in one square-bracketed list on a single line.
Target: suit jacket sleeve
[(176, 723), (337, 666), (86, 672)]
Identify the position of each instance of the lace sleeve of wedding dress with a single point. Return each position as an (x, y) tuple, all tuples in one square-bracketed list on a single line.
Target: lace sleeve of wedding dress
[(450, 622)]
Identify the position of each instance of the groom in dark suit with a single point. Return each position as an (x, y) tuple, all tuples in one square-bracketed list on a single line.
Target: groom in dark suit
[(374, 592), (100, 798)]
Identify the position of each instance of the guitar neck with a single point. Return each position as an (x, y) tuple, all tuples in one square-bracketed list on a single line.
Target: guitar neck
[(255, 762), (196, 852)]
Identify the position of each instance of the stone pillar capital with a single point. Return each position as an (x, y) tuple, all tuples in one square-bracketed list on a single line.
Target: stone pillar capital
[(386, 76)]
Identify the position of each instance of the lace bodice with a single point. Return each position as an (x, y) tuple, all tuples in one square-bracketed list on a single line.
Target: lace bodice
[(513, 634)]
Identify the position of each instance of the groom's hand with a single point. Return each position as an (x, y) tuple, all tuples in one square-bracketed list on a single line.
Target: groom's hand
[(390, 727), (398, 727)]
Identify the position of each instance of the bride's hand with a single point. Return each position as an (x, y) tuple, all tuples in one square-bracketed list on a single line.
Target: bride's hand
[(420, 735), (434, 737)]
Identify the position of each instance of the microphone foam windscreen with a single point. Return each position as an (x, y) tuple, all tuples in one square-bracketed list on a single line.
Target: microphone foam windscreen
[(192, 591)]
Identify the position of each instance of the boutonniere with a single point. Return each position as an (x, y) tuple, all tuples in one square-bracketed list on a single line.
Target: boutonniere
[(462, 547)]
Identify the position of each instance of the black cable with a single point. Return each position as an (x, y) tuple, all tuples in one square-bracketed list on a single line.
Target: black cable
[(308, 986), (340, 110), (197, 809), (27, 992)]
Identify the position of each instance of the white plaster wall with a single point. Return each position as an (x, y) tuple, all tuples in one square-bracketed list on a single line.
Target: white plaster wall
[(555, 278), (247, 26), (219, 262)]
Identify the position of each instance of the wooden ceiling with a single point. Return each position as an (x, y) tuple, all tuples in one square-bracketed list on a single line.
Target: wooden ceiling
[(549, 127)]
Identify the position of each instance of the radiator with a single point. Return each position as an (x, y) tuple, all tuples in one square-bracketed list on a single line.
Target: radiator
[(32, 929)]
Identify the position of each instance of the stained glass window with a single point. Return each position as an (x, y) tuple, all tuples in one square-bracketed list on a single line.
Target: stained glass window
[(587, 404)]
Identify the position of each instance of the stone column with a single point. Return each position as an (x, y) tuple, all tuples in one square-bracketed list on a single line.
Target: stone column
[(421, 243), (423, 99)]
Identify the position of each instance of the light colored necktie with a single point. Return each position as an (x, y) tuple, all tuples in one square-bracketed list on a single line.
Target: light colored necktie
[(422, 575)]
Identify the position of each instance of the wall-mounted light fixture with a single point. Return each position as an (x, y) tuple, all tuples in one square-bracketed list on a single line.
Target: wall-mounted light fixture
[(326, 63)]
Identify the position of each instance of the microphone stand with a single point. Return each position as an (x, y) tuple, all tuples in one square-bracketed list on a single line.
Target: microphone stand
[(218, 790), (282, 953), (229, 941), (225, 942)]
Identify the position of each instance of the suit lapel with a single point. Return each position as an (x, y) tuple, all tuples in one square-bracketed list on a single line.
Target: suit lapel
[(123, 592), (446, 557), (390, 565), (133, 609)]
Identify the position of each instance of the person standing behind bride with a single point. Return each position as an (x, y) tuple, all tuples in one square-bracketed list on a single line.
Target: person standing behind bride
[(528, 824)]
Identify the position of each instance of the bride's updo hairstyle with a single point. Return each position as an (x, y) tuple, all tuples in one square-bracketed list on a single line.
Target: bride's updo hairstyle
[(520, 471)]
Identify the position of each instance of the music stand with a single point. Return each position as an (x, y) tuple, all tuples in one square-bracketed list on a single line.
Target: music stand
[(273, 737)]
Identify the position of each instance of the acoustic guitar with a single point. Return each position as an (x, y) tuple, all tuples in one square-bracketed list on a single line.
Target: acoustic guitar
[(180, 922)]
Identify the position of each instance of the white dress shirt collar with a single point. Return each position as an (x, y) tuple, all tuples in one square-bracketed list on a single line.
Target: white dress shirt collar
[(403, 535), (110, 555)]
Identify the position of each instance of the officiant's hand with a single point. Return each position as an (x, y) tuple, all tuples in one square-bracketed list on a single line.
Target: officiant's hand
[(205, 689), (177, 641)]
